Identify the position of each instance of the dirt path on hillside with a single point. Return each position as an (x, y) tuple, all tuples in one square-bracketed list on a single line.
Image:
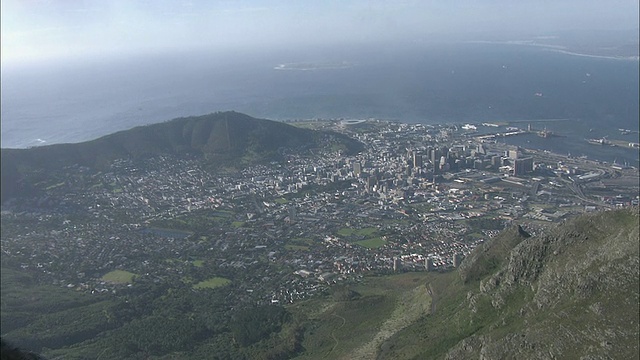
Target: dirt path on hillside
[(344, 321), (409, 308)]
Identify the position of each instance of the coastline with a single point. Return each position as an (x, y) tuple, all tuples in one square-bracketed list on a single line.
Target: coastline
[(556, 48), (622, 58), (427, 85), (313, 66)]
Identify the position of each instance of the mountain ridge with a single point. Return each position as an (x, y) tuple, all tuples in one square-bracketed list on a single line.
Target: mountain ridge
[(570, 291)]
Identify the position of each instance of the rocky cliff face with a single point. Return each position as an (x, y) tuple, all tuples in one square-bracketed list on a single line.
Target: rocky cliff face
[(569, 293)]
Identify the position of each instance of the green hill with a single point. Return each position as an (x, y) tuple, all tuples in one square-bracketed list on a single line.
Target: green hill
[(218, 139)]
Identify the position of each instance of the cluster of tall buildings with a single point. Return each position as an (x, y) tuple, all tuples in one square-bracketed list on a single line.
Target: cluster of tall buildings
[(393, 168), (458, 157), (521, 165)]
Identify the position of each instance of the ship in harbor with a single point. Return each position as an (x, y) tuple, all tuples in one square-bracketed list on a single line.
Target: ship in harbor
[(546, 133), (601, 141)]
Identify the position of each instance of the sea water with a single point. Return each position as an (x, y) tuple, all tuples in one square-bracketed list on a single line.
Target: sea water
[(427, 83)]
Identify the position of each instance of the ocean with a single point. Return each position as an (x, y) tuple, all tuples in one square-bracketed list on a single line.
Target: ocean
[(421, 82)]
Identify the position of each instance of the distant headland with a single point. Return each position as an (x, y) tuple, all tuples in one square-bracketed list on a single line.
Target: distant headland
[(307, 66)]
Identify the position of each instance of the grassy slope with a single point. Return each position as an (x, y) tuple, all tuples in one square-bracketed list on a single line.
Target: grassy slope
[(582, 302), (575, 292), (439, 331), (354, 329)]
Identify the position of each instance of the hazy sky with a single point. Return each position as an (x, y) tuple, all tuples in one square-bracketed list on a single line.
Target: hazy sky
[(44, 29)]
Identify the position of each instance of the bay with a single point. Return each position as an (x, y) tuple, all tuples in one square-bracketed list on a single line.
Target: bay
[(423, 82)]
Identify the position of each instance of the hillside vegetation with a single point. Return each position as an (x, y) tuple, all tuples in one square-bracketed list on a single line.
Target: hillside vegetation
[(569, 292), (219, 139)]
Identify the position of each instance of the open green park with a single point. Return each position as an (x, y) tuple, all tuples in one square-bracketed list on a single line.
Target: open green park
[(372, 243), (212, 283), (365, 237), (119, 277), (364, 232)]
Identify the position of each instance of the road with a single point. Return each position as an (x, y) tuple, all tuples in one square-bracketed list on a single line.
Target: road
[(577, 189)]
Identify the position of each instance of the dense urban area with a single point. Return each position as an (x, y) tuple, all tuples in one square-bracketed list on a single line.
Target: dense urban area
[(418, 198)]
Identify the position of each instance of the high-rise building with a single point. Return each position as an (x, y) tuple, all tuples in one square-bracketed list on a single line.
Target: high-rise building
[(444, 151), (496, 161), (417, 160), (442, 163), (434, 155), (357, 168), (371, 181), (481, 149), (522, 166)]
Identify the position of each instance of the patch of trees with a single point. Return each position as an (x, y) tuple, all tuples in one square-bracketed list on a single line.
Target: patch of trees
[(10, 352), (344, 293), (254, 324), (57, 329), (158, 335), (166, 318), (486, 224)]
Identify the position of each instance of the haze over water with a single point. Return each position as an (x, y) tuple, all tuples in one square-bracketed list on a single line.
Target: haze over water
[(74, 71), (422, 82)]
